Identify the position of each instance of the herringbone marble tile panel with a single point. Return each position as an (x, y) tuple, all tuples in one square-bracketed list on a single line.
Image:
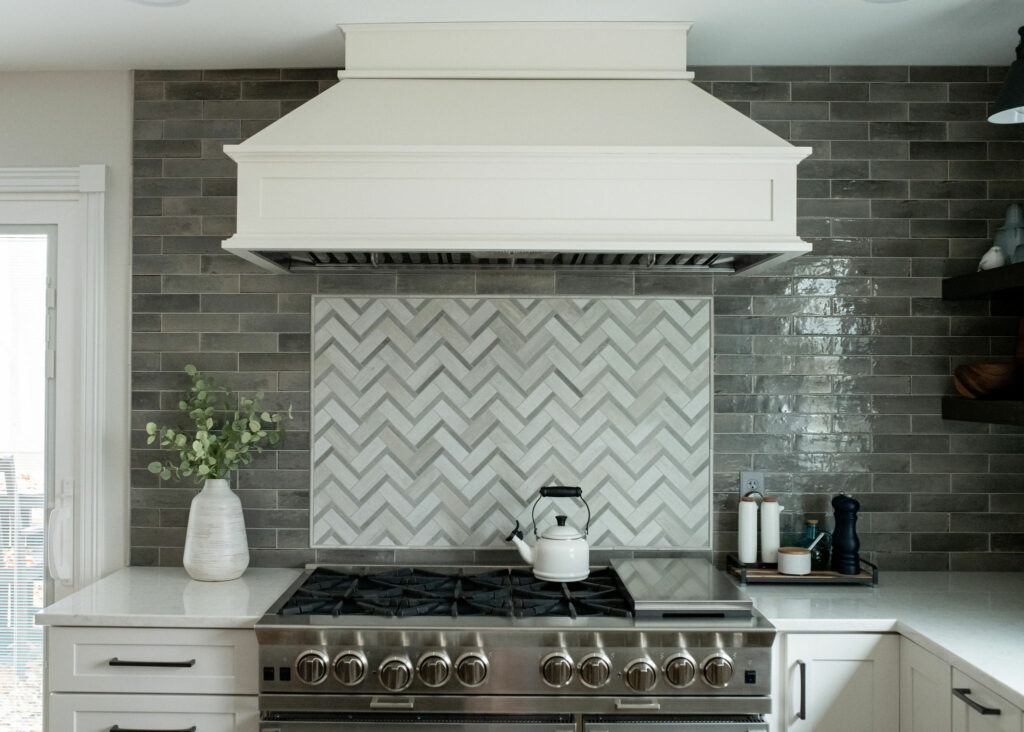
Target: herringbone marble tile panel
[(435, 420)]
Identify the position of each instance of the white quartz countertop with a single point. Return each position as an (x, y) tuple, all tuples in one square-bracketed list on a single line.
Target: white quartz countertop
[(973, 620), (165, 597)]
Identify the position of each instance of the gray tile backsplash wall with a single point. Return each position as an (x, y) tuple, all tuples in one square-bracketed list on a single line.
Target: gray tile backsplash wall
[(828, 372)]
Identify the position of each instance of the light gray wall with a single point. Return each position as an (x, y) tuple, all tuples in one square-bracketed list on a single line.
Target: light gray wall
[(74, 118)]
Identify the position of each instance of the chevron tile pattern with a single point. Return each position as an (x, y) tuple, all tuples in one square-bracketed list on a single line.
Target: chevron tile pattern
[(435, 420)]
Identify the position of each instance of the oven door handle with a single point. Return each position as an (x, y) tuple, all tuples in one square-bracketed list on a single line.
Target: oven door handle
[(645, 706), (379, 703)]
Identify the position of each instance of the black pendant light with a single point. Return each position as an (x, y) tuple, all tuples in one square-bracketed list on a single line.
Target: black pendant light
[(1010, 104)]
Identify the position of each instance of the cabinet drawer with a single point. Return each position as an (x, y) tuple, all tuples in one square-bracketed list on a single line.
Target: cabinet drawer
[(1004, 716), (159, 713), (153, 660)]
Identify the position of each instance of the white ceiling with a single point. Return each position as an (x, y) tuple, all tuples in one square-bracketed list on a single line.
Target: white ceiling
[(123, 34)]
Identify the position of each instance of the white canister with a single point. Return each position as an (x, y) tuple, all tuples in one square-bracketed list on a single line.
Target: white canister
[(770, 510), (794, 560), (747, 531)]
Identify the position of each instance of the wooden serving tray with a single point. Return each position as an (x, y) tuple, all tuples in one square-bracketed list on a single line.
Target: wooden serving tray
[(761, 573)]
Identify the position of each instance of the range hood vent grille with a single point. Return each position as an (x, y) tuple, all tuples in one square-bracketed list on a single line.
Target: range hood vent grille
[(297, 261)]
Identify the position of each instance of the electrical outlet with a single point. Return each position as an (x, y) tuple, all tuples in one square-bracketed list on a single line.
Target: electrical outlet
[(751, 480)]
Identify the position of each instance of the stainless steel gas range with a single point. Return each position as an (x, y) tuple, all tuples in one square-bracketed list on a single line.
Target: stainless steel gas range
[(666, 644)]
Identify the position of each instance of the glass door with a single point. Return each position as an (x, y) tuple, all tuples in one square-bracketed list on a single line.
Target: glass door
[(26, 369)]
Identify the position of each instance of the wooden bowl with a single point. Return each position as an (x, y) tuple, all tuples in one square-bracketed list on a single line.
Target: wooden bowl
[(979, 380)]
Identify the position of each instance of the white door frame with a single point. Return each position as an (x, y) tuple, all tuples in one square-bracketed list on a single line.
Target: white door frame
[(72, 199)]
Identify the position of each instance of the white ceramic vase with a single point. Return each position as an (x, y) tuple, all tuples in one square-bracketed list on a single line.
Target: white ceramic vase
[(216, 548)]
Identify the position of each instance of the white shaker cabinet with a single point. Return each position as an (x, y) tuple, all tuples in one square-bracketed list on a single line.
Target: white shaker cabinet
[(925, 690), (840, 682), (156, 712), (152, 679), (978, 709)]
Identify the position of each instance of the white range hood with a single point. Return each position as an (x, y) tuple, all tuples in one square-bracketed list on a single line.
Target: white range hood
[(554, 144)]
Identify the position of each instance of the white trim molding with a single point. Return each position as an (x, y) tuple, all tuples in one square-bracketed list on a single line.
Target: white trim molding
[(72, 199)]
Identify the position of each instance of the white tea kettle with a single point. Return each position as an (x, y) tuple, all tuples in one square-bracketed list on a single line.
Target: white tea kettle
[(561, 553)]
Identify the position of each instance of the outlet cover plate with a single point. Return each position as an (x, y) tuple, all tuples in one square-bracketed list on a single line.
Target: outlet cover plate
[(751, 480)]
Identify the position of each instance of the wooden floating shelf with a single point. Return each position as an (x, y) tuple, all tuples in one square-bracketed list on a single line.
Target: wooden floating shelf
[(999, 281), (1007, 280), (992, 411)]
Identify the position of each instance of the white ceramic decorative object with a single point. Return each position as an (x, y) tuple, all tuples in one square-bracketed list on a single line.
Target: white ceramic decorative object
[(216, 548), (992, 259), (747, 530), (770, 510)]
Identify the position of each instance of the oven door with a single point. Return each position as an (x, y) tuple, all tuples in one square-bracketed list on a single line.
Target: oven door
[(353, 722), (676, 723)]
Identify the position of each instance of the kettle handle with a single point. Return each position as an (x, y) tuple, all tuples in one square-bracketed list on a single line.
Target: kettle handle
[(559, 491)]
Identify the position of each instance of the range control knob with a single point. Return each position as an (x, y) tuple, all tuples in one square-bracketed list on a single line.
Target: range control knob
[(595, 670), (556, 669), (471, 669), (434, 668), (350, 668), (311, 667), (680, 670), (718, 670), (641, 675), (395, 673)]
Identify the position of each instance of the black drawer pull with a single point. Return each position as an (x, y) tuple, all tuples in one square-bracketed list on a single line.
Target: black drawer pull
[(961, 694), (802, 714), (154, 664), (116, 728)]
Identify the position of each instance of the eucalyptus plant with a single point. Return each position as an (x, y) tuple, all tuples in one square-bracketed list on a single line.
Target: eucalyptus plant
[(224, 434)]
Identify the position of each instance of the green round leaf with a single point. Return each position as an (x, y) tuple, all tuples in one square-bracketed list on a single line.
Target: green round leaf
[(155, 467)]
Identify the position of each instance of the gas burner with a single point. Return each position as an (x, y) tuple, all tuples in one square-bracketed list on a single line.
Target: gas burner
[(418, 592)]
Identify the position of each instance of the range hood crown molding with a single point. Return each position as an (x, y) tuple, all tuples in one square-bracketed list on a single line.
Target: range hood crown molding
[(543, 144)]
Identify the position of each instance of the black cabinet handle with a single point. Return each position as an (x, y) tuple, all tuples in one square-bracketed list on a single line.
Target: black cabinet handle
[(962, 695), (153, 664), (116, 728), (802, 714)]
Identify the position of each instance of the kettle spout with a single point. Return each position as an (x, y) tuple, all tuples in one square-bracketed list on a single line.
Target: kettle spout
[(525, 551)]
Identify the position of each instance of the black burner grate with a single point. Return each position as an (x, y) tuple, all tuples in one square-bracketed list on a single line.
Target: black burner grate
[(419, 592)]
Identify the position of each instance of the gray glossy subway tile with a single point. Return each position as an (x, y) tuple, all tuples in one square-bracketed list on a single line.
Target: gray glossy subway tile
[(828, 373)]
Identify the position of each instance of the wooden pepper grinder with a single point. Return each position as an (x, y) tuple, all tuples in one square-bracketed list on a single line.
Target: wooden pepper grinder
[(845, 544)]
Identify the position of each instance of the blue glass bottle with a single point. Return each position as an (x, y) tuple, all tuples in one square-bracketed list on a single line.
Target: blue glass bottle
[(820, 553)]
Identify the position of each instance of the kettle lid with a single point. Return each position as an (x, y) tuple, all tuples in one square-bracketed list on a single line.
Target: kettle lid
[(561, 530)]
